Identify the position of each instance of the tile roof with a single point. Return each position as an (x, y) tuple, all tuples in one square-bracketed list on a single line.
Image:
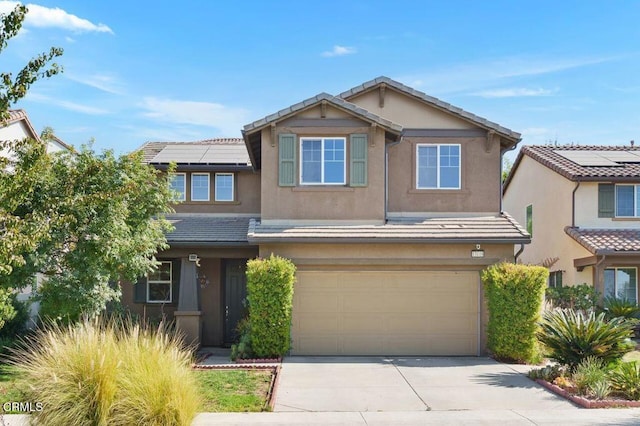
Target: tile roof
[(307, 103), (604, 241), (548, 156), (486, 229), (435, 102), (207, 229), (151, 149)]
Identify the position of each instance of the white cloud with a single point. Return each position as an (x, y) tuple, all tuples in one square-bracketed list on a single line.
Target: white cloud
[(514, 92), (461, 78), (339, 51), (72, 106), (228, 120), (106, 83), (47, 17)]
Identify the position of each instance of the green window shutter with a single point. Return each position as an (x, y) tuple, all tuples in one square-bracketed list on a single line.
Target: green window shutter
[(358, 160), (606, 200), (175, 280), (140, 290), (287, 160)]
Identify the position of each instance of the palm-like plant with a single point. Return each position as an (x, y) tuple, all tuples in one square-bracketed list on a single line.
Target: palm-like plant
[(571, 336), (624, 308)]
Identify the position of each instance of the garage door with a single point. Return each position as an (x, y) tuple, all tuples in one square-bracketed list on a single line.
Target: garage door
[(386, 313)]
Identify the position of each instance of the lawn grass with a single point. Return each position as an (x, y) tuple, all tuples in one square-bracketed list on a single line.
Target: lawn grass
[(234, 390), (11, 386), (221, 390)]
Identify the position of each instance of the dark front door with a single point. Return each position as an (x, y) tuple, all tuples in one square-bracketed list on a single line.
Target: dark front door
[(235, 293)]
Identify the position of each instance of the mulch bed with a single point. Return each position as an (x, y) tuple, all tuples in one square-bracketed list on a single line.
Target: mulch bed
[(587, 403)]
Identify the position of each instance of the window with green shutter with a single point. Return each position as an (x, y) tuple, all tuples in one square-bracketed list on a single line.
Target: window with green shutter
[(358, 160), (286, 160), (606, 200)]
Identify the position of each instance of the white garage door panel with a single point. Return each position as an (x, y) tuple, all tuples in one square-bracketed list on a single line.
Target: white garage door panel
[(386, 313)]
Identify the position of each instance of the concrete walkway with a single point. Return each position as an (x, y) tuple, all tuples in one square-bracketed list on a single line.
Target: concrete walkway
[(409, 391), (376, 384)]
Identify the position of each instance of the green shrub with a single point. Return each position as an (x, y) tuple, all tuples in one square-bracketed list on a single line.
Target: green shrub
[(7, 309), (242, 349), (101, 373), (590, 377), (548, 373), (571, 336), (67, 299), (615, 308), (625, 379), (17, 325), (514, 296), (582, 297), (270, 296)]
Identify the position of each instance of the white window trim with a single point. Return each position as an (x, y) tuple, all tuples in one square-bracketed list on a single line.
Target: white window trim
[(208, 186), (635, 200), (344, 161), (615, 280), (184, 188), (170, 282), (438, 166), (233, 182)]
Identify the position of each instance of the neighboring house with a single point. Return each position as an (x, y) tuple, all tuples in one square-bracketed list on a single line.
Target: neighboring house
[(387, 200), (581, 204), (19, 127)]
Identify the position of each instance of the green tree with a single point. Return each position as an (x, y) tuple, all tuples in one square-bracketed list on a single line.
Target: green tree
[(18, 234), (12, 89), (103, 216)]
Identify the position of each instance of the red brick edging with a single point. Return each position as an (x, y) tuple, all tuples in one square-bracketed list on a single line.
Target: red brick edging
[(587, 403)]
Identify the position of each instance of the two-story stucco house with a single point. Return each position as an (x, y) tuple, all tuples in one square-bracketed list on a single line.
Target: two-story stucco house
[(387, 200), (581, 206)]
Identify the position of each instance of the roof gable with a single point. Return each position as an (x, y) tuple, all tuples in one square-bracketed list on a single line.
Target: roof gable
[(252, 131), (384, 82)]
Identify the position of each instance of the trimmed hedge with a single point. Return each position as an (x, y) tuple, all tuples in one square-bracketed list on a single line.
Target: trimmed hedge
[(270, 296), (514, 295)]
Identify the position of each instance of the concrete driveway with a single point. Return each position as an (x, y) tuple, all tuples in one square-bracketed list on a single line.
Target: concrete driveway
[(348, 384)]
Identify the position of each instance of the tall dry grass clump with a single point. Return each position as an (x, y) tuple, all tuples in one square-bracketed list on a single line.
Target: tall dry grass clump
[(108, 373)]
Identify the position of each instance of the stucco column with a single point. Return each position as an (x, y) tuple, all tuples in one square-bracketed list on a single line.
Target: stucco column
[(188, 314)]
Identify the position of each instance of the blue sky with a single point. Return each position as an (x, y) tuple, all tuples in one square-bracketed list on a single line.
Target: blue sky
[(565, 71)]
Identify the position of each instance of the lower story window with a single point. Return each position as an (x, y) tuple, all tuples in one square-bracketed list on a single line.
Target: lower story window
[(159, 284), (621, 283), (555, 279)]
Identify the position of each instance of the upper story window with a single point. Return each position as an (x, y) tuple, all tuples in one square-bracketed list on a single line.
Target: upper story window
[(438, 166), (159, 286), (200, 187), (628, 200), (322, 161), (224, 187), (178, 184)]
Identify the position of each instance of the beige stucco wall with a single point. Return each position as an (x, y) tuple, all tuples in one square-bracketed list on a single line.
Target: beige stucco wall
[(550, 195), (480, 178), (407, 111), (587, 210), (323, 202), (247, 194)]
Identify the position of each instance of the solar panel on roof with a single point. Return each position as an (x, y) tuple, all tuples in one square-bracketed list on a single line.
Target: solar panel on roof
[(586, 158), (203, 154), (180, 154), (621, 156)]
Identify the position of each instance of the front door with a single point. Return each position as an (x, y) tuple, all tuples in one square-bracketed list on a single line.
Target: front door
[(235, 293)]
